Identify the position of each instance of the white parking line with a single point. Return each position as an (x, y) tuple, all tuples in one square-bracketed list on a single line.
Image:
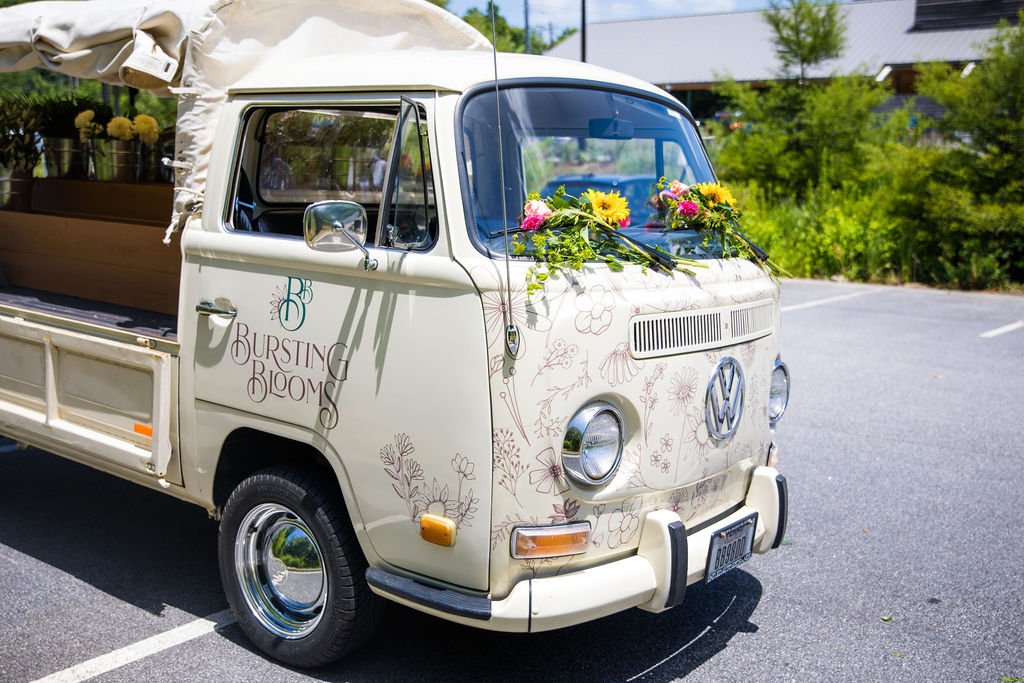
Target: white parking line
[(831, 299), (684, 647), (142, 649), (1002, 330)]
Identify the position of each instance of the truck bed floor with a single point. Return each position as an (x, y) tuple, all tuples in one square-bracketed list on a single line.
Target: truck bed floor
[(135, 320)]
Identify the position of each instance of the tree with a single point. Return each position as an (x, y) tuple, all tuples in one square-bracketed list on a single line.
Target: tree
[(986, 112), (806, 33), (509, 38)]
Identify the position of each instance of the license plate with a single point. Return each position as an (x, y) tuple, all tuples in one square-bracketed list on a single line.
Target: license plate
[(731, 546)]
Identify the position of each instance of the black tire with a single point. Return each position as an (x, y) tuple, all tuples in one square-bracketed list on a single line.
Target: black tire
[(327, 610)]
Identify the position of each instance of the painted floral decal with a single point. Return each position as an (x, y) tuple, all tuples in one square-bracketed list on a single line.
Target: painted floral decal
[(507, 463), (595, 308), (409, 483), (559, 355), (550, 477), (624, 522), (682, 390), (618, 367)]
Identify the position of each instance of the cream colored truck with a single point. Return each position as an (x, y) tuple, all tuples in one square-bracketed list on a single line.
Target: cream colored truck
[(331, 374)]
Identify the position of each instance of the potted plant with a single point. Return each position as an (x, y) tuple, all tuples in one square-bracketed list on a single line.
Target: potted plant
[(150, 150), (115, 154), (63, 149), (20, 150), (91, 125)]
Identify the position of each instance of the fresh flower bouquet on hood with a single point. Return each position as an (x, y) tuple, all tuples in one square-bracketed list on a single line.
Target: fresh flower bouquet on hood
[(708, 208), (563, 233)]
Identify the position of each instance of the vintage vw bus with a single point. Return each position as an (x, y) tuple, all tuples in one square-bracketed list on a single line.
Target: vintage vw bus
[(350, 374)]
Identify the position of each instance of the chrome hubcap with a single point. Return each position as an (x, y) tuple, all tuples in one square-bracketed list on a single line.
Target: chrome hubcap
[(280, 571)]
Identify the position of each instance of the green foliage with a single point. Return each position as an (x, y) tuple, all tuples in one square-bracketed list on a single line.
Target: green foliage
[(508, 38), (831, 188), (19, 123), (805, 33), (794, 137), (988, 107)]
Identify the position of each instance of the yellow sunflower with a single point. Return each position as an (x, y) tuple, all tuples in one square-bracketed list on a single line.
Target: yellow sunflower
[(609, 206), (718, 194)]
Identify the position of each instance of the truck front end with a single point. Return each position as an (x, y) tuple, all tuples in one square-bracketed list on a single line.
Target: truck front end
[(633, 407)]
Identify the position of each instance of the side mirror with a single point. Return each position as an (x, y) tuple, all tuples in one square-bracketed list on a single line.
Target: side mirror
[(337, 225)]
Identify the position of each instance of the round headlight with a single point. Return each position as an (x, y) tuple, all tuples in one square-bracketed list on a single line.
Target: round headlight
[(592, 447), (778, 394)]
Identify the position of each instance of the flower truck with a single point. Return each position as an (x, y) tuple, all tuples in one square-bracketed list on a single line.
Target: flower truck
[(476, 333)]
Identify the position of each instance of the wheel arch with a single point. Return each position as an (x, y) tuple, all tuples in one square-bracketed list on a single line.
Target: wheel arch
[(246, 451)]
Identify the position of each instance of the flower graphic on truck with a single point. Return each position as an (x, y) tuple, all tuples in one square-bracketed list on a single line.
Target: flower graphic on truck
[(437, 498)]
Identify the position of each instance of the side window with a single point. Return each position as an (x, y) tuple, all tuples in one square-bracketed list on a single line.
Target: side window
[(410, 213), (294, 157)]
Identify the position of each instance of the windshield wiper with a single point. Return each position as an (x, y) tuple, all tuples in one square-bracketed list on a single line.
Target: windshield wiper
[(660, 259), (511, 231)]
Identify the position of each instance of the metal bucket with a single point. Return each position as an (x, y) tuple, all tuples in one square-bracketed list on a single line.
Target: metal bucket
[(115, 160), (150, 164), (64, 158), (15, 190)]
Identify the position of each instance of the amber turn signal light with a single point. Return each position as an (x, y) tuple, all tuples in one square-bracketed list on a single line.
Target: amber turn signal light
[(550, 541), (437, 530)]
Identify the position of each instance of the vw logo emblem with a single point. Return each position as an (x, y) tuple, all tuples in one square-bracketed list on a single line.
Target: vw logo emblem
[(724, 400)]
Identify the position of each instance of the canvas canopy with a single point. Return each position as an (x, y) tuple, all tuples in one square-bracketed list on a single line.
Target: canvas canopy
[(198, 49)]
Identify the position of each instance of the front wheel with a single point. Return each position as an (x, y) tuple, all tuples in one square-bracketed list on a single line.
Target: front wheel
[(292, 570)]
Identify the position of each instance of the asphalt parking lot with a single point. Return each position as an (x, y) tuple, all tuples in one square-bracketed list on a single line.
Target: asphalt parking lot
[(903, 447)]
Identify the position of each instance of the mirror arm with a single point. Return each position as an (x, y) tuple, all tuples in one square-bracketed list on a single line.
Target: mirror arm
[(369, 263)]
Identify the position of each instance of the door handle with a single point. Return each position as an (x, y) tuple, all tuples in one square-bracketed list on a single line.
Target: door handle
[(207, 308)]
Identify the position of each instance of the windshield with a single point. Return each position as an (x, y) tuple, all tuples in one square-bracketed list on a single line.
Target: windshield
[(581, 139)]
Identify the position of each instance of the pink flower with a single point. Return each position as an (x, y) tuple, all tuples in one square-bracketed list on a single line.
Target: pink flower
[(678, 189), (667, 194), (624, 223), (532, 222), (536, 207), (687, 209)]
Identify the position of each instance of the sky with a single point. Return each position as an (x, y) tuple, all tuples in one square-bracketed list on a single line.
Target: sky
[(565, 13)]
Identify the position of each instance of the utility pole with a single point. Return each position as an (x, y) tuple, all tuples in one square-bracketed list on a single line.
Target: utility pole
[(526, 25), (583, 31)]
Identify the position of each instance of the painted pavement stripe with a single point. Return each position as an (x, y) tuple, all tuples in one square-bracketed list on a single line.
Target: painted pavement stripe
[(1012, 327), (831, 299), (684, 647), (142, 649)]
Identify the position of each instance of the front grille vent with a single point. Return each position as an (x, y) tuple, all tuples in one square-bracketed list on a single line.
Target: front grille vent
[(752, 320), (664, 334), (675, 332)]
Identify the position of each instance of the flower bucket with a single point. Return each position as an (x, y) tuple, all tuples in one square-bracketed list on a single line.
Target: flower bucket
[(15, 190), (64, 158), (115, 160), (150, 164)]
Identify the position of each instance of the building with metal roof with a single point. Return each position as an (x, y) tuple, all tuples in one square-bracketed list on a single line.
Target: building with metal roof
[(884, 38)]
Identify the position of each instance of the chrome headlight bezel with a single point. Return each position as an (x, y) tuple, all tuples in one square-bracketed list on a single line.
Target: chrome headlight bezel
[(781, 369), (573, 455)]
